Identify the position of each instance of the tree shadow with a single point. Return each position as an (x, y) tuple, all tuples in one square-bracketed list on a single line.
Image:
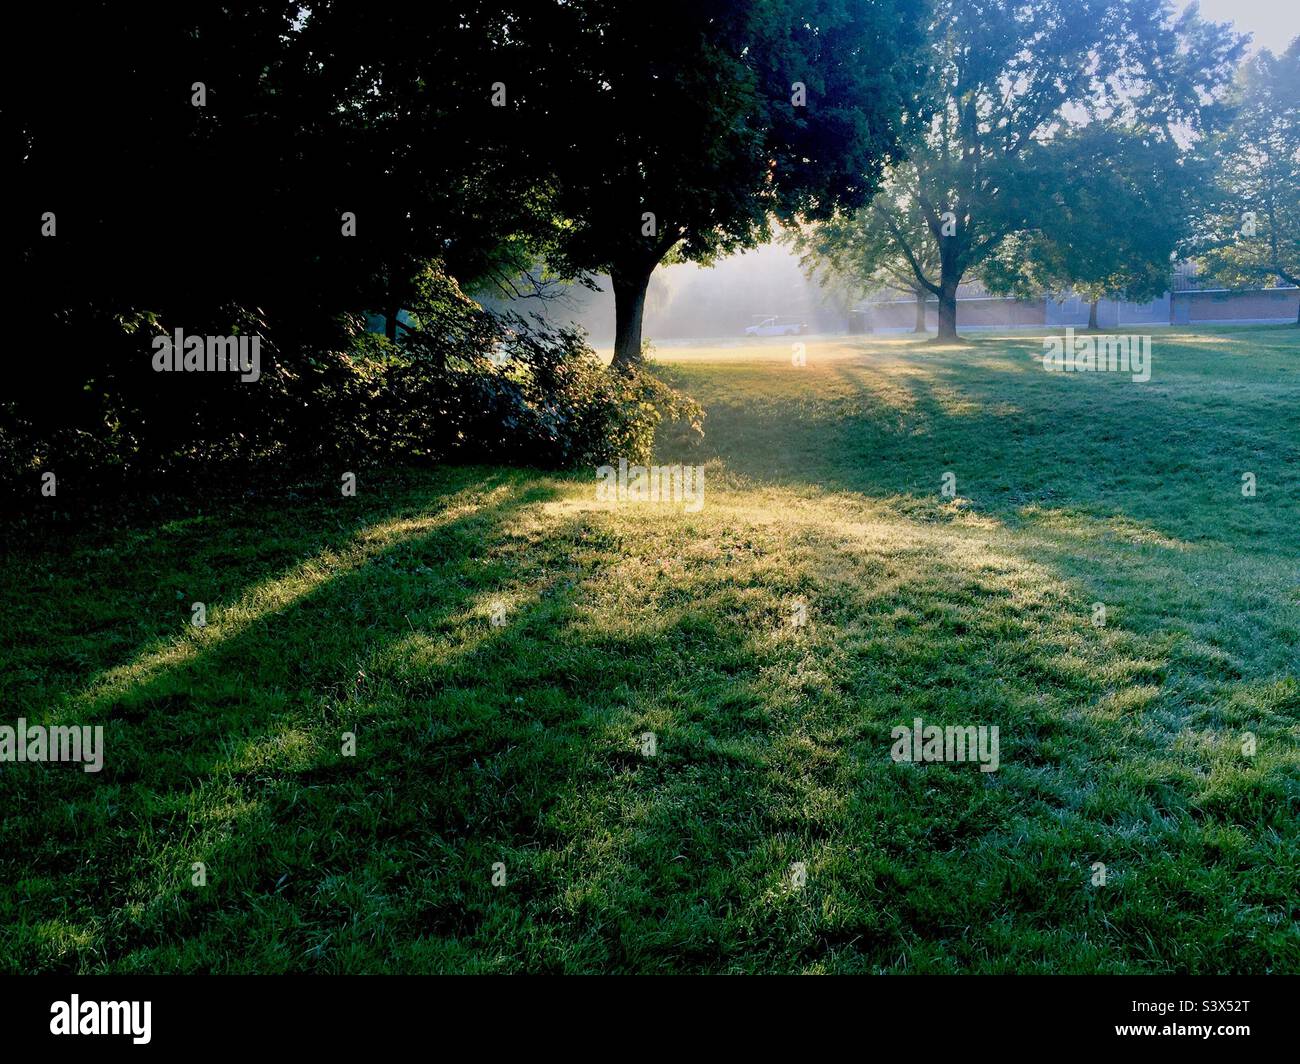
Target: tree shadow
[(194, 714), (500, 657)]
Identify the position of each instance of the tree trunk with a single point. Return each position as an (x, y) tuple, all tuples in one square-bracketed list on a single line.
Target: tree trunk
[(629, 285), (390, 323), (948, 309), (1092, 314), (921, 294)]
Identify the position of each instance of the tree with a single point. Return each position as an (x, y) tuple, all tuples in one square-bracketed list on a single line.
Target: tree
[(854, 248), (1252, 227), (1006, 77), (1118, 204), (438, 167), (684, 129), (265, 168)]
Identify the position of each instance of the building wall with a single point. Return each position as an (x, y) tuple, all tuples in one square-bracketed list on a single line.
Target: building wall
[(1178, 308), (1261, 305)]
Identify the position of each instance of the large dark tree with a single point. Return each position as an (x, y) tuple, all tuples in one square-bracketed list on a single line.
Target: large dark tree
[(686, 128), (203, 162), (239, 197), (146, 202)]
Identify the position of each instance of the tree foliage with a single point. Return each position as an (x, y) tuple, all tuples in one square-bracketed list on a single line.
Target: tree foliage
[(687, 128), (1008, 81), (1116, 206), (1251, 229)]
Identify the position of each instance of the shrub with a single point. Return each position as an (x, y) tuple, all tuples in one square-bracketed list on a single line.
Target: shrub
[(459, 383), (465, 383)]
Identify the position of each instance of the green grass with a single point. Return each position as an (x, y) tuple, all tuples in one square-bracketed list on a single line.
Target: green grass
[(519, 744)]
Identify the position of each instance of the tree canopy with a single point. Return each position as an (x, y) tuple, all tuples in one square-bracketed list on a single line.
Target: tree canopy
[(687, 128), (1251, 229), (1111, 219), (1008, 81)]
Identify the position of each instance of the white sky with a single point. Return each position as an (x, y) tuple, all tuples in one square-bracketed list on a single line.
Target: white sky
[(1274, 23)]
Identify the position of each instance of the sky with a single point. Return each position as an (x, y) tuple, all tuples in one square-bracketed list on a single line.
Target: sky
[(1274, 23)]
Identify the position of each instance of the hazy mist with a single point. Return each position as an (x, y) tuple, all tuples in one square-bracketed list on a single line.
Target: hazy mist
[(687, 301)]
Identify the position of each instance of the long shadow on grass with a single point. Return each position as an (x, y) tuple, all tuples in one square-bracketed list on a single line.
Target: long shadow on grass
[(1016, 436), (309, 845), (184, 720), (74, 607), (514, 750)]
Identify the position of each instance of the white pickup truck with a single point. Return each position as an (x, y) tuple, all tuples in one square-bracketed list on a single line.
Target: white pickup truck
[(776, 326)]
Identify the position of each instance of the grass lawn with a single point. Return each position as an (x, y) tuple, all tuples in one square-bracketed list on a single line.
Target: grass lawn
[(518, 745)]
